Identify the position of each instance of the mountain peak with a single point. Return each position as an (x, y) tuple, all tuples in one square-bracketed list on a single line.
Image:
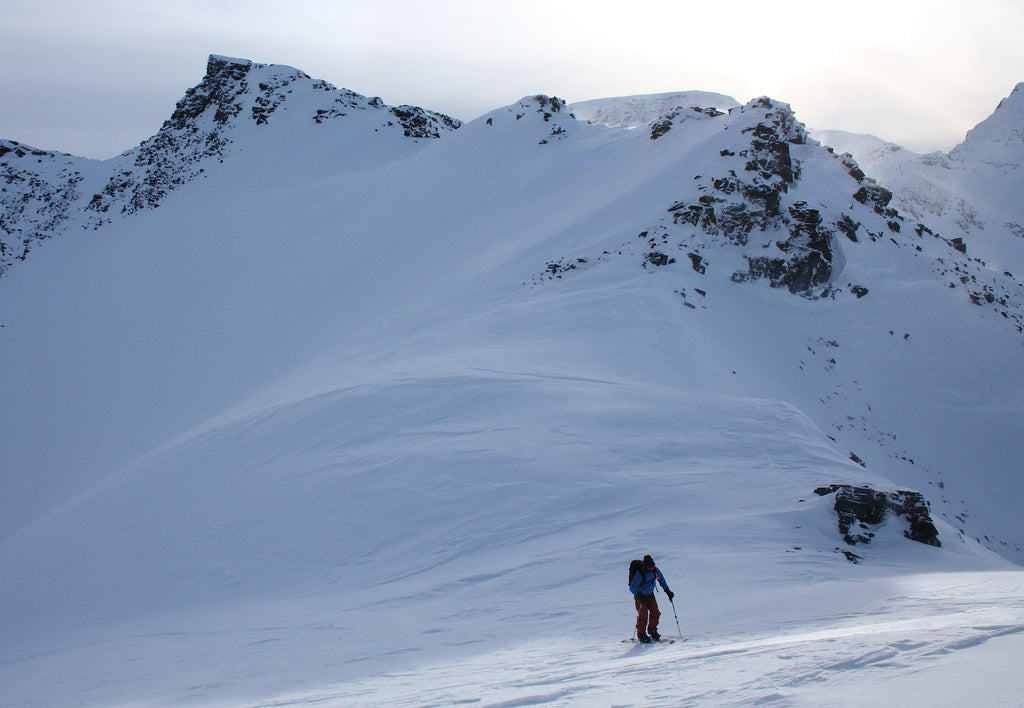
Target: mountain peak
[(999, 139), (216, 60), (232, 85), (240, 93), (240, 105), (1017, 94)]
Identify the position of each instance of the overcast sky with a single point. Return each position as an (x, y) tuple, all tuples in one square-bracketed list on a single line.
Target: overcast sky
[(95, 77)]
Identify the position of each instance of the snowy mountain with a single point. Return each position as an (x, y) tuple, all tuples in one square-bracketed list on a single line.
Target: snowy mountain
[(263, 107), (972, 192), (376, 407)]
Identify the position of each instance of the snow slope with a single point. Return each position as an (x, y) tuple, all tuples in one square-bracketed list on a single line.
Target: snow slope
[(388, 431)]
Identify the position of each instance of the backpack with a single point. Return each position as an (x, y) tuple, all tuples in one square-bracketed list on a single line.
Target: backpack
[(634, 568)]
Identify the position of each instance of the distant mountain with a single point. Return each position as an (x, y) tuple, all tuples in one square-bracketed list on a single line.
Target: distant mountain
[(972, 192), (306, 389)]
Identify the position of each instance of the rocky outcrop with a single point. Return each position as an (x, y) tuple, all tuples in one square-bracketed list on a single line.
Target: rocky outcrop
[(39, 191), (663, 124), (862, 509), (540, 116), (750, 195), (748, 198)]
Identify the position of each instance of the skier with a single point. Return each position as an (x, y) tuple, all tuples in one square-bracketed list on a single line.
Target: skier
[(641, 584)]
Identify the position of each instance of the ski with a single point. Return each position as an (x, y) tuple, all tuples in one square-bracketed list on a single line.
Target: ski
[(659, 641)]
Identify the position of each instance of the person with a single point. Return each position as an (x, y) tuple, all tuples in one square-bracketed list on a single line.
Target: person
[(647, 613)]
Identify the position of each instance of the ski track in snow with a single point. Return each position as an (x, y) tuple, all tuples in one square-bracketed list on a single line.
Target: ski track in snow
[(822, 666)]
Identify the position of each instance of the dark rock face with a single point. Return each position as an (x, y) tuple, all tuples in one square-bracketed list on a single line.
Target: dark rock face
[(861, 508), (417, 122), (664, 124), (809, 251)]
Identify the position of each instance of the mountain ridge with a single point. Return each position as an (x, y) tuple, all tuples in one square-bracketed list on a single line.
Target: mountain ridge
[(967, 193), (233, 94)]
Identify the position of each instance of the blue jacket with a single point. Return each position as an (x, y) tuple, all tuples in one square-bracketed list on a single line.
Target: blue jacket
[(643, 582)]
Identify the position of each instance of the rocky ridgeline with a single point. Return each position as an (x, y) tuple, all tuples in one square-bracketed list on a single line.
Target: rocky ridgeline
[(39, 190), (44, 192), (665, 123)]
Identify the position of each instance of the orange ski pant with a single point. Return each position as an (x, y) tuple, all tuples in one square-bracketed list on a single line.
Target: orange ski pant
[(647, 613)]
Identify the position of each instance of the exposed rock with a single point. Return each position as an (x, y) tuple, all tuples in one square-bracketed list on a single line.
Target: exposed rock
[(862, 508), (39, 190), (790, 243), (663, 124), (735, 204), (420, 123), (657, 258), (698, 263)]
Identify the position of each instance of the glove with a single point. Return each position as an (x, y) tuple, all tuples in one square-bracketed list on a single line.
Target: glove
[(670, 595)]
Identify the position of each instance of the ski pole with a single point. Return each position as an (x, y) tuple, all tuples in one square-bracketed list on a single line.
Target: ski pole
[(673, 603), (636, 623)]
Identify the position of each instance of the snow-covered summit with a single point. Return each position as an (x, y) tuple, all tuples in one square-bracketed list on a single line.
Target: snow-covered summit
[(236, 90), (635, 111), (236, 99), (999, 139)]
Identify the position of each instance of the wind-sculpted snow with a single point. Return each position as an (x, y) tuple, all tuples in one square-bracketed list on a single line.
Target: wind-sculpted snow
[(638, 111), (959, 656)]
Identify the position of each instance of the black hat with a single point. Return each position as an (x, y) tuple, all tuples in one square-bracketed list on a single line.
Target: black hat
[(648, 562)]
